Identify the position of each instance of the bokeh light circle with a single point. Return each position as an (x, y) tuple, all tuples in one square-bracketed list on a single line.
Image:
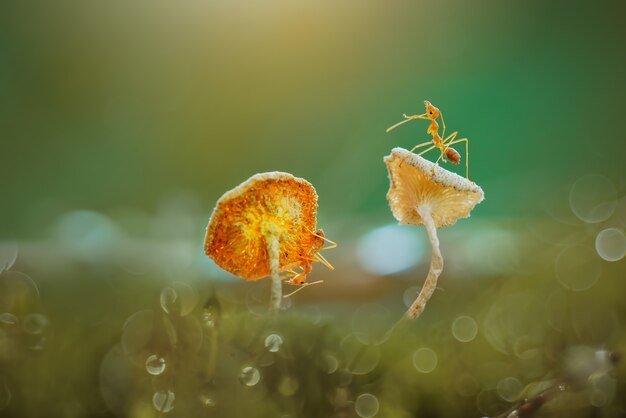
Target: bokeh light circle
[(155, 365), (249, 376), (8, 254), (593, 198), (273, 342), (464, 328), (163, 400), (578, 267), (425, 360), (366, 405), (509, 388), (611, 244), (389, 249)]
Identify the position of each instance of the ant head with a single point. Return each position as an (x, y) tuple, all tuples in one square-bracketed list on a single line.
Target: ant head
[(431, 111)]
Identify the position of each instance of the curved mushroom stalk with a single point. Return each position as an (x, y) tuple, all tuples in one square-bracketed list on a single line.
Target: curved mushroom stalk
[(422, 193), (436, 265)]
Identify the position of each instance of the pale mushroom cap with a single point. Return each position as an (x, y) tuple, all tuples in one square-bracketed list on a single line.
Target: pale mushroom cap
[(412, 184), (266, 205)]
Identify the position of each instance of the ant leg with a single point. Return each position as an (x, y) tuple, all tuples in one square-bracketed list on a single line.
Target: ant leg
[(421, 145), (450, 138), (406, 119), (426, 150), (443, 134), (466, 153)]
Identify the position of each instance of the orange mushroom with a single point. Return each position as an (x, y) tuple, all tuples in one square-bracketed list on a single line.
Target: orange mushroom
[(265, 226)]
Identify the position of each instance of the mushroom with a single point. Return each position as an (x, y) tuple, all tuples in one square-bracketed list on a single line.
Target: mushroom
[(265, 226), (422, 193)]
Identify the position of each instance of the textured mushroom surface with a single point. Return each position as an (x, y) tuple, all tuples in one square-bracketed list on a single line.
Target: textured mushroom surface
[(413, 183), (268, 205)]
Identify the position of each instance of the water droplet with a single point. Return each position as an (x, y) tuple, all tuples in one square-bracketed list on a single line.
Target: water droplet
[(163, 400), (288, 386), (8, 319), (593, 198), (168, 300), (34, 323), (249, 376), (207, 399), (425, 360), (578, 267), (464, 328), (5, 396), (611, 244), (155, 365), (509, 389), (366, 405), (273, 342)]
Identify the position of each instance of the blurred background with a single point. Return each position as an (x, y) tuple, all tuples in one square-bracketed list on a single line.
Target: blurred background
[(123, 123)]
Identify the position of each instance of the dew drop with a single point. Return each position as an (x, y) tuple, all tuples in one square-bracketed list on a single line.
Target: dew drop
[(249, 376), (155, 365), (611, 244), (34, 323), (168, 299), (425, 360), (8, 319), (366, 405), (273, 342), (464, 328), (207, 399), (163, 401)]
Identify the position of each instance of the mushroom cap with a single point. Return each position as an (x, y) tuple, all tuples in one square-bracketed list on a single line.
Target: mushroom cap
[(266, 206), (412, 183)]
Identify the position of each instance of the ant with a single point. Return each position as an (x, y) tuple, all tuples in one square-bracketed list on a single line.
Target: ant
[(452, 155), (299, 278)]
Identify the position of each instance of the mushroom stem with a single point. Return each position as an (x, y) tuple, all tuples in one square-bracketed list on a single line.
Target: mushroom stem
[(277, 288), (436, 264)]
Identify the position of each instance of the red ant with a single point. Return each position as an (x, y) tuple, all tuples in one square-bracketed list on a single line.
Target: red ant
[(452, 155)]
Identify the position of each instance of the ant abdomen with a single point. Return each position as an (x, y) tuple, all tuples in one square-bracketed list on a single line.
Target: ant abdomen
[(453, 156)]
